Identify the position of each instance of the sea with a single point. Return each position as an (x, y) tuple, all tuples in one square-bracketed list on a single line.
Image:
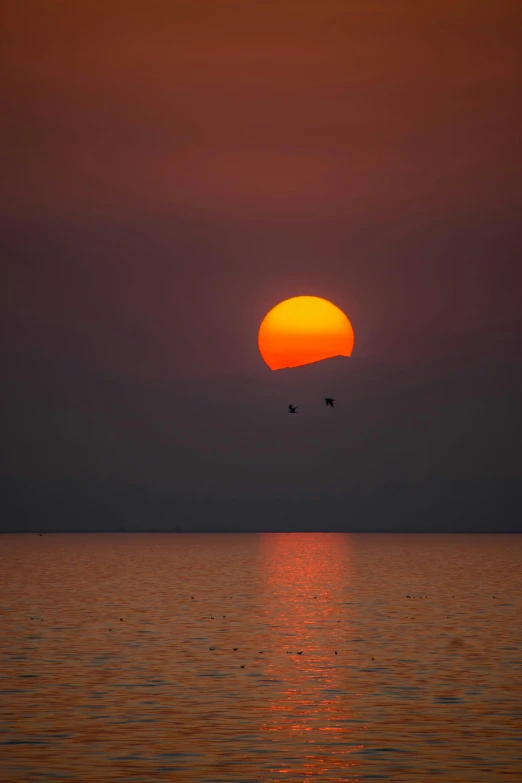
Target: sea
[(260, 658)]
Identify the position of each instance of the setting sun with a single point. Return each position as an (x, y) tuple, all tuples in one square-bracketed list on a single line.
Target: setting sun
[(303, 330)]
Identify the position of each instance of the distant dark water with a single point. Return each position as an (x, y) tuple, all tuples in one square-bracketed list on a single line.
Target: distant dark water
[(421, 688)]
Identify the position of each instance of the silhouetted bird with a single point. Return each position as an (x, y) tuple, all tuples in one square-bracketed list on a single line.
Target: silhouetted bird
[(235, 649), (40, 534), (329, 402), (292, 408), (242, 667), (300, 653), (211, 649)]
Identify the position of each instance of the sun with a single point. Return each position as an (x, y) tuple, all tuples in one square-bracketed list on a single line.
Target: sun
[(303, 330)]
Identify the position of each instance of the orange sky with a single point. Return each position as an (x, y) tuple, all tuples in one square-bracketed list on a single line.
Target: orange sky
[(254, 108), (174, 168)]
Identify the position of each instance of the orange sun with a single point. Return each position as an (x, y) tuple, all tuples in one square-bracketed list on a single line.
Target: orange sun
[(303, 330)]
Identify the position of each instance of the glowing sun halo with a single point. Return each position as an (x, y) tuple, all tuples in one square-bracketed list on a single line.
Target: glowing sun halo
[(303, 330)]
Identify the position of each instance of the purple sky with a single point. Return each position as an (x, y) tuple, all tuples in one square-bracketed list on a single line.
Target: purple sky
[(174, 169)]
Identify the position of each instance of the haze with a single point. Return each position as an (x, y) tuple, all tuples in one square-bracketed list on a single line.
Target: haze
[(171, 172)]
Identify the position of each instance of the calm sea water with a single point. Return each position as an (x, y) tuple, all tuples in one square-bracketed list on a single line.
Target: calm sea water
[(106, 672)]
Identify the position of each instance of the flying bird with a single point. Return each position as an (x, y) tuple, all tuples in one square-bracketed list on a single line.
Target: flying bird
[(329, 402), (292, 408)]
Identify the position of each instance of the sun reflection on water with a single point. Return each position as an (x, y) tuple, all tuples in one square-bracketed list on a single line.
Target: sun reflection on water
[(307, 577)]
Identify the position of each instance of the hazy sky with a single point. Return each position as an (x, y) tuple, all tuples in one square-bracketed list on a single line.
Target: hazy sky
[(174, 169)]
